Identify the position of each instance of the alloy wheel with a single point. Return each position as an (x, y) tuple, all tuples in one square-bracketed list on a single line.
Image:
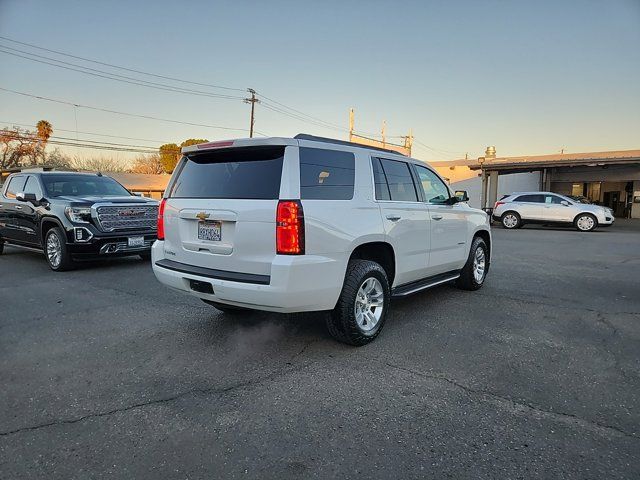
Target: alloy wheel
[(510, 220), (54, 250), (585, 223), (479, 265), (369, 304)]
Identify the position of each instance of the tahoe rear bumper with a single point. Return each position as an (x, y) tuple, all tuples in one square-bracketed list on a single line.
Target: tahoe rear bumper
[(295, 283)]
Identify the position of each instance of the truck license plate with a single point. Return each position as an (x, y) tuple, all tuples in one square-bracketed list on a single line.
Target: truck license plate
[(135, 241), (209, 231)]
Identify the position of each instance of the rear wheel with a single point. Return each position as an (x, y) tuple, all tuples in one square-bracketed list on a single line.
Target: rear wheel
[(362, 307), (511, 220), (475, 270), (585, 222), (56, 252), (230, 309)]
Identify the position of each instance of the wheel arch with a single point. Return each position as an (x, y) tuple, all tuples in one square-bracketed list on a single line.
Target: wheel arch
[(486, 236), (47, 224), (380, 252)]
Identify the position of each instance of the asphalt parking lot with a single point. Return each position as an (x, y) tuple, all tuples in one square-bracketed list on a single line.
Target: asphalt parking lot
[(105, 373)]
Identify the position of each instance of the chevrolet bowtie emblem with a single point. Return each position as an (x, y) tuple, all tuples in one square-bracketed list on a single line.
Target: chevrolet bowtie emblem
[(202, 216)]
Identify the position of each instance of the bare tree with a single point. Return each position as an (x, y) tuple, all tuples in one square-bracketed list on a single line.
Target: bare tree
[(148, 163), (99, 164)]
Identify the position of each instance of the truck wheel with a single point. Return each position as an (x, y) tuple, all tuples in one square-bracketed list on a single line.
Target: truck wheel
[(511, 220), (56, 252), (585, 222), (475, 270), (362, 307), (229, 309)]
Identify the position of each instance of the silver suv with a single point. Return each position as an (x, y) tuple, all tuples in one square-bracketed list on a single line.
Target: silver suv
[(516, 209)]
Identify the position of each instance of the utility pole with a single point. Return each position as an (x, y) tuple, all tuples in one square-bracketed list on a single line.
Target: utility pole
[(253, 100)]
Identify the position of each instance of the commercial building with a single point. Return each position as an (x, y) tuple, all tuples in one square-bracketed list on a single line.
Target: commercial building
[(609, 178)]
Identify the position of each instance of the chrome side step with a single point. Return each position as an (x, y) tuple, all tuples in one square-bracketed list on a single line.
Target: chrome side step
[(31, 249), (414, 287)]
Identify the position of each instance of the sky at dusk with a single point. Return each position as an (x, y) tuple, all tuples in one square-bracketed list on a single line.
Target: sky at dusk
[(528, 77)]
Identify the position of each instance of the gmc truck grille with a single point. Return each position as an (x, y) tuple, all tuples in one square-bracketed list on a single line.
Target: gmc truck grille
[(127, 217)]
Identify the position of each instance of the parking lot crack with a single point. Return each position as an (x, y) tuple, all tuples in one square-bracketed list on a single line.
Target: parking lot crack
[(289, 368), (522, 407)]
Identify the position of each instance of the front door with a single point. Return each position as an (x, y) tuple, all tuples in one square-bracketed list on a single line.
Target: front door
[(448, 224), (555, 211), (27, 214)]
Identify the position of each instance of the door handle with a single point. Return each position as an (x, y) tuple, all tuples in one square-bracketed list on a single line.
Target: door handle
[(18, 207), (436, 217), (393, 218)]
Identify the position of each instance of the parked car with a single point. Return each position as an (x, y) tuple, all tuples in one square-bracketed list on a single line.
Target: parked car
[(310, 224), (517, 209), (72, 216)]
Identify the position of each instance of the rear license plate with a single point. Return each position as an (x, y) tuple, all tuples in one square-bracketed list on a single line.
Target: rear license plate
[(211, 231), (135, 241)]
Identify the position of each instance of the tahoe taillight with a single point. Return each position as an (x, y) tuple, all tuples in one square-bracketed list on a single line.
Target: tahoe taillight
[(289, 228), (161, 219)]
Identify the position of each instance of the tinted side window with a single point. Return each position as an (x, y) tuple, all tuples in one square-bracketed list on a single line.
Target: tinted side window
[(435, 191), (326, 174), (382, 189), (552, 199), (530, 198), (399, 179), (16, 184), (250, 173), (32, 186)]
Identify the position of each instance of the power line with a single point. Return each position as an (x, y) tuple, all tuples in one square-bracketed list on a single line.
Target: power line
[(120, 67), (114, 77), (85, 133), (72, 143), (116, 112)]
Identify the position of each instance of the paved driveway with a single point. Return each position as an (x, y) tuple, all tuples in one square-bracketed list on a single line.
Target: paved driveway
[(104, 372)]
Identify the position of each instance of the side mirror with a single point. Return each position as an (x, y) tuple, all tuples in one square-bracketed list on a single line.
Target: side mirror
[(462, 195), (565, 203), (27, 197)]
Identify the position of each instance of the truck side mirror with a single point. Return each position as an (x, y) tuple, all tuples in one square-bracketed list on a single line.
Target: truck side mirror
[(462, 195)]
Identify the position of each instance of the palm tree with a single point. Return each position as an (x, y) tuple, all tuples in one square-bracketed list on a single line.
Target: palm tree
[(44, 131)]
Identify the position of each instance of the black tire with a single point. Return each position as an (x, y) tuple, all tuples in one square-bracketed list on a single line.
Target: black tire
[(146, 256), (65, 262), (585, 222), (230, 309), (508, 218), (467, 279), (341, 322)]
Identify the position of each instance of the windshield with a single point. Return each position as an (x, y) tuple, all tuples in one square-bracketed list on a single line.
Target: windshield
[(579, 199), (82, 185)]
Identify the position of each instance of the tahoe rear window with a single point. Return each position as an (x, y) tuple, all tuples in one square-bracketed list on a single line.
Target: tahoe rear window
[(243, 173), (326, 174)]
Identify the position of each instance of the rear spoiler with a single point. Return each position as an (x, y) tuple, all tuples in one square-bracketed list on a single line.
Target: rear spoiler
[(238, 142)]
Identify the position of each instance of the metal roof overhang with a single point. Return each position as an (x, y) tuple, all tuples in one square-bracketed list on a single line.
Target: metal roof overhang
[(532, 166)]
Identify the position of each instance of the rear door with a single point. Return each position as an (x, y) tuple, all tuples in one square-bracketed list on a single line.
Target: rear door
[(530, 206), (405, 217), (10, 207), (221, 208)]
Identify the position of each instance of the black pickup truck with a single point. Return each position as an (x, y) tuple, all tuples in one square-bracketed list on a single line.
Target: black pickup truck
[(71, 216)]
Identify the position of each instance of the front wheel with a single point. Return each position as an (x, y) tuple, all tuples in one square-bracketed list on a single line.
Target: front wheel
[(56, 252), (362, 307), (475, 270), (585, 222)]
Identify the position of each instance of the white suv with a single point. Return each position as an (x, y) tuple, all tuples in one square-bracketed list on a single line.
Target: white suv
[(309, 223), (516, 209)]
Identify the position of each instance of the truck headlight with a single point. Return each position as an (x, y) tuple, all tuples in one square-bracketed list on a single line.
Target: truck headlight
[(78, 214)]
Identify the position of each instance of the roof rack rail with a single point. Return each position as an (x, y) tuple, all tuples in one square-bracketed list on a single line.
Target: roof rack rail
[(305, 136)]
